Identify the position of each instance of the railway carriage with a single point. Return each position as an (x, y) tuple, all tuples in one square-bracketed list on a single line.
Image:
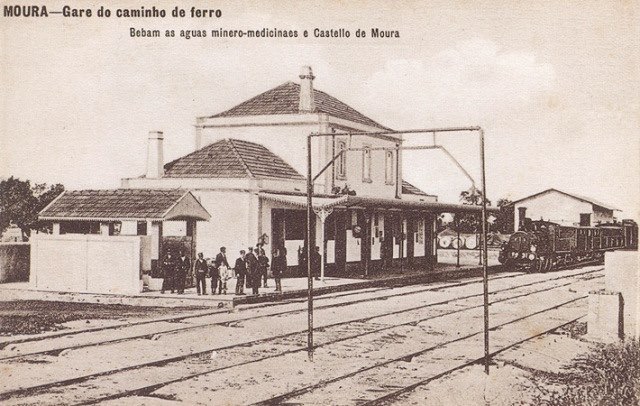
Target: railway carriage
[(542, 245)]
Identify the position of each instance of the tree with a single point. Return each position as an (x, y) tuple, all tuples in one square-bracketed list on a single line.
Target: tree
[(20, 203), (470, 222), (473, 196)]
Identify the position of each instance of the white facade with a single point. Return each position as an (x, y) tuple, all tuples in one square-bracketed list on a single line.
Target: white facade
[(240, 218), (561, 208), (286, 136)]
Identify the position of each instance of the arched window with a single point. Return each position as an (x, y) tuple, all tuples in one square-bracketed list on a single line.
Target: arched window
[(341, 163), (366, 164), (389, 167)]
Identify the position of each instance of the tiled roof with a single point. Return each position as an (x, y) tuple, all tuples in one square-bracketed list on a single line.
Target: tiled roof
[(285, 99), (113, 204), (231, 158), (573, 195), (409, 189)]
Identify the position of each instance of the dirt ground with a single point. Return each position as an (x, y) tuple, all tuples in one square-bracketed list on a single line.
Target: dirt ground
[(538, 372), (36, 316), (512, 379)]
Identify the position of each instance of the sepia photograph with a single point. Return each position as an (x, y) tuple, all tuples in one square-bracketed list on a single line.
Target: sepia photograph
[(320, 202)]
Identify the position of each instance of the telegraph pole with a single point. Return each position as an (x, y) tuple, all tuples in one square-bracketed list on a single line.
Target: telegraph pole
[(308, 242)]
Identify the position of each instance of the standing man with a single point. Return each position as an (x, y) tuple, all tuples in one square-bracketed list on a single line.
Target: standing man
[(215, 275), (184, 265), (302, 261), (169, 271), (278, 267), (263, 266), (222, 266), (201, 269), (253, 277), (241, 271)]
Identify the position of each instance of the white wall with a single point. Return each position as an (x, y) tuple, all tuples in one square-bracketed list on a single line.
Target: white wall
[(419, 198), (378, 186), (354, 252), (398, 244), (86, 263), (553, 206), (419, 238), (129, 228), (376, 247), (622, 274), (229, 225)]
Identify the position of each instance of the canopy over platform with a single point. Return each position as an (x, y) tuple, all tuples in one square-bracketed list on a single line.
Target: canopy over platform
[(125, 204), (355, 202)]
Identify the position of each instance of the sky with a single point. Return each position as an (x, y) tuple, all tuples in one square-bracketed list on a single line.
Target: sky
[(555, 85)]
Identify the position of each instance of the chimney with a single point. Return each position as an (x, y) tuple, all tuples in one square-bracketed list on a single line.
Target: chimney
[(307, 104), (155, 155)]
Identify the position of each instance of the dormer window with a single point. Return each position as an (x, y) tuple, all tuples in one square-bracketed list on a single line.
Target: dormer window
[(389, 167)]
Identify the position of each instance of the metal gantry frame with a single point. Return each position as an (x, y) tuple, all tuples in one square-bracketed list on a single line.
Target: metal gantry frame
[(310, 242)]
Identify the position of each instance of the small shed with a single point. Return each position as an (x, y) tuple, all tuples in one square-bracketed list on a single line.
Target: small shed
[(102, 237)]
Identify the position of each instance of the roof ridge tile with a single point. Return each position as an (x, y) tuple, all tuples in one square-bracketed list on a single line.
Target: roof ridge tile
[(240, 158)]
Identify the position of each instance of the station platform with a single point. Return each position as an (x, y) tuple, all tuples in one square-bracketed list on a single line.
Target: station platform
[(291, 288)]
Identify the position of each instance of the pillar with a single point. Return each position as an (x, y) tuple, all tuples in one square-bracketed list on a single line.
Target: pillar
[(410, 237), (56, 228), (104, 228), (154, 229), (365, 253), (323, 213), (341, 241)]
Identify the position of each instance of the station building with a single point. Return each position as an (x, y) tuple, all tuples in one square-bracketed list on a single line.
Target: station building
[(246, 173), (247, 170)]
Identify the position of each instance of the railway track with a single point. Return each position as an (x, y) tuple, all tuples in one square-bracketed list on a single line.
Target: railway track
[(175, 319), (403, 359), (34, 390), (320, 297), (164, 331)]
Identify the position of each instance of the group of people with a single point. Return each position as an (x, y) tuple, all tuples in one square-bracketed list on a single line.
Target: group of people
[(175, 272), (250, 269)]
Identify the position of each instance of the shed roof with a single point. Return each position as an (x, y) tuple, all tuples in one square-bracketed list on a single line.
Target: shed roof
[(231, 158), (346, 201), (125, 204), (573, 195), (285, 99), (409, 189)]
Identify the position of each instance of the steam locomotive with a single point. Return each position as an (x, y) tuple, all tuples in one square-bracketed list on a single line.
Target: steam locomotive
[(540, 246)]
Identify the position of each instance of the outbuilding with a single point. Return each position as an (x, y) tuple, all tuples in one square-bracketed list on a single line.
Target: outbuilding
[(103, 241), (562, 208)]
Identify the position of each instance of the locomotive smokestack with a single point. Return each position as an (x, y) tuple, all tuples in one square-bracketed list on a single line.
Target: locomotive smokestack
[(522, 214)]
